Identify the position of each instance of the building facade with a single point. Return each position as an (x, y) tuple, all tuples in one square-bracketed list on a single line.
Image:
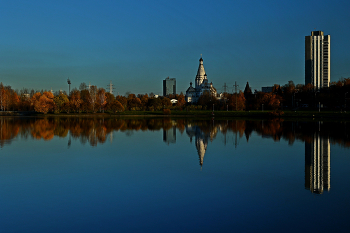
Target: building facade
[(169, 86), (201, 86), (266, 89), (317, 59)]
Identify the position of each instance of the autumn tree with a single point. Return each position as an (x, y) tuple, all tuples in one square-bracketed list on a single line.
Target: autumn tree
[(109, 100), (116, 106), (154, 104), (288, 93), (35, 98), (206, 100), (86, 101), (109, 97), (75, 100), (59, 101), (4, 97), (239, 98), (166, 102), (134, 103), (123, 100), (14, 100), (101, 98), (181, 100), (45, 103), (268, 100), (144, 101)]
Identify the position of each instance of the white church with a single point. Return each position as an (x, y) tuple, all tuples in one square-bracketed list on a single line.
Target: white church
[(201, 86)]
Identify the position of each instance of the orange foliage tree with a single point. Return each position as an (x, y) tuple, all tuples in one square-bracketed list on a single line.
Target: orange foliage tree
[(4, 97), (271, 101), (144, 101), (134, 103), (231, 101), (122, 100), (181, 100), (75, 100), (45, 103)]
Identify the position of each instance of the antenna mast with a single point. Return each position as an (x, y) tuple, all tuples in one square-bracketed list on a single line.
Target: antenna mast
[(69, 83)]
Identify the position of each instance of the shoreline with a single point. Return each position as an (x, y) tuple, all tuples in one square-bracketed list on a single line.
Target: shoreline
[(330, 115)]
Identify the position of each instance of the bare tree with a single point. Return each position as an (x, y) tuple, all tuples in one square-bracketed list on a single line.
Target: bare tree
[(93, 96), (83, 86)]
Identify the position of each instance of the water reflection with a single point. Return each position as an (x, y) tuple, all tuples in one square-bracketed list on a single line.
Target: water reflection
[(317, 136), (96, 130), (317, 164), (169, 136), (201, 139)]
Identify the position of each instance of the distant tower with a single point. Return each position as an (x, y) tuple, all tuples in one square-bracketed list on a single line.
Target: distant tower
[(169, 86), (318, 59), (68, 81), (110, 85)]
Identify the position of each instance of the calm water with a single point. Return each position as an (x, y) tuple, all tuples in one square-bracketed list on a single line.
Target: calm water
[(173, 175)]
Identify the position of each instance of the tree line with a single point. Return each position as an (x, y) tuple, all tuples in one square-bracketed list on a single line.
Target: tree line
[(93, 99), (291, 96), (86, 99)]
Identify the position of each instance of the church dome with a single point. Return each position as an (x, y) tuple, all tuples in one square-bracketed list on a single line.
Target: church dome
[(201, 71)]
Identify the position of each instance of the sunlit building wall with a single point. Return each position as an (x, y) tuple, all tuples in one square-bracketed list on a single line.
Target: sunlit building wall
[(318, 59), (317, 165)]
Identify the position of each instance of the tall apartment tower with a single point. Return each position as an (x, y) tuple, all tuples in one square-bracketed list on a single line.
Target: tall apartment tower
[(169, 86), (318, 59)]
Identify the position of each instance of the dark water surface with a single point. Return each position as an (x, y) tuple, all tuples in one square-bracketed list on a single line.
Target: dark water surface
[(173, 175)]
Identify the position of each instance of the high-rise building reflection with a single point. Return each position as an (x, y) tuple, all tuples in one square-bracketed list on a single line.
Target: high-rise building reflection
[(169, 135), (317, 164)]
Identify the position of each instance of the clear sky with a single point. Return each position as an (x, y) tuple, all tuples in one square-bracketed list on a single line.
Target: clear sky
[(137, 44)]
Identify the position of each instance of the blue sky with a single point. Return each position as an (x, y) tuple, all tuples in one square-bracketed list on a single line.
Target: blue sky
[(137, 44)]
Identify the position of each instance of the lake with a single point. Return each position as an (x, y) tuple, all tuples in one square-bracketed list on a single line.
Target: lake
[(70, 174)]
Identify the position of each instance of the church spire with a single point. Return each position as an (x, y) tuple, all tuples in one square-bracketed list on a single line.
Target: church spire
[(201, 75)]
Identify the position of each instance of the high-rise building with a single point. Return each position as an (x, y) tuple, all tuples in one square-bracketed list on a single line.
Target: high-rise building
[(169, 86), (318, 59)]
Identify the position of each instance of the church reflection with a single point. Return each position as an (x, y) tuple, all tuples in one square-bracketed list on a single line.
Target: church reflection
[(317, 164), (201, 139)]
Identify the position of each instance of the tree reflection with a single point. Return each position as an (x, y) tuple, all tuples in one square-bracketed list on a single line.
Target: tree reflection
[(95, 130)]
